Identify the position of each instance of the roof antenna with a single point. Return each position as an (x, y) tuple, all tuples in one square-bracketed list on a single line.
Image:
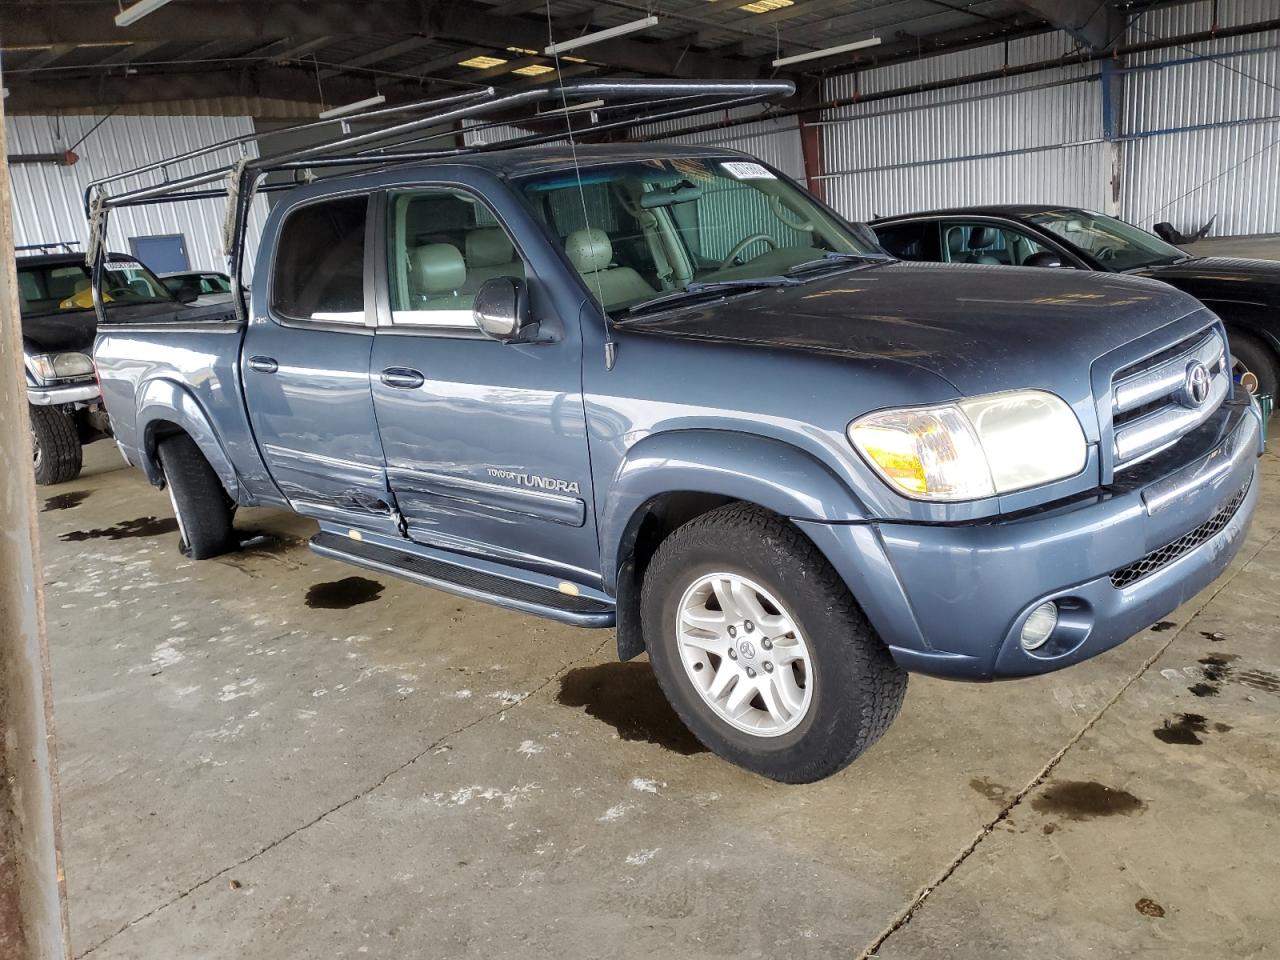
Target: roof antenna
[(610, 345)]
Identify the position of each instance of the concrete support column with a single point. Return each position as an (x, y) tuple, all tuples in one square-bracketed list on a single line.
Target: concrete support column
[(33, 919)]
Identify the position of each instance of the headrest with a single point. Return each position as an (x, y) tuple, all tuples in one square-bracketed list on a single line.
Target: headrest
[(489, 247), (589, 250), (439, 268), (981, 237), (955, 240)]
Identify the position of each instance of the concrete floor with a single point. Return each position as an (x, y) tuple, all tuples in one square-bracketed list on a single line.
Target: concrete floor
[(272, 756)]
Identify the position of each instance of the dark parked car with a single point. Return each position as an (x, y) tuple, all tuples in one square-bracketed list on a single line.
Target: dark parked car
[(664, 389), (58, 325), (209, 286), (1244, 293)]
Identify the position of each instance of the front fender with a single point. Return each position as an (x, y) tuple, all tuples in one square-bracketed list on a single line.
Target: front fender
[(767, 472), (162, 402)]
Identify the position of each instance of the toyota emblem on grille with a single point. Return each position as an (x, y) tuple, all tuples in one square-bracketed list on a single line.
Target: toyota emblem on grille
[(1195, 391)]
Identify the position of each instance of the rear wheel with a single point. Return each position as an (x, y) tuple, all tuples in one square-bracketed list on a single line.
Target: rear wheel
[(1252, 365), (762, 650), (55, 442), (200, 504)]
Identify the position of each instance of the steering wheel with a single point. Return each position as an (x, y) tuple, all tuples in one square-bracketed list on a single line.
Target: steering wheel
[(743, 244), (783, 213), (1105, 253)]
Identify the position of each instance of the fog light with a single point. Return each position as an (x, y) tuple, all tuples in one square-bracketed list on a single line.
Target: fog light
[(1039, 626)]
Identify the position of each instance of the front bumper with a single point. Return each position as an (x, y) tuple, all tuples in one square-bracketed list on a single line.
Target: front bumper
[(56, 396), (951, 599)]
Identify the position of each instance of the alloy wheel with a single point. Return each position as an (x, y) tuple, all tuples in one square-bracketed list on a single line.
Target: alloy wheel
[(744, 654)]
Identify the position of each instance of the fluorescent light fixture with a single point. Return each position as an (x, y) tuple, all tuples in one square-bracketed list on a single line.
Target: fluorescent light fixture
[(588, 105), (139, 10), (524, 50), (533, 70), (587, 38), (828, 51), (356, 107), (482, 63), (764, 6)]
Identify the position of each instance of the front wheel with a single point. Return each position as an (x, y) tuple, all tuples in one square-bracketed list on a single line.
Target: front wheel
[(1252, 366), (761, 649), (56, 453)]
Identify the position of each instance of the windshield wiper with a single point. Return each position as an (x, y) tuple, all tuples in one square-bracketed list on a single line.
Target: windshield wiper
[(711, 288), (832, 258)]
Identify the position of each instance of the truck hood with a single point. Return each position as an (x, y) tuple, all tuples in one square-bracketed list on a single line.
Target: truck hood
[(983, 328), (60, 332)]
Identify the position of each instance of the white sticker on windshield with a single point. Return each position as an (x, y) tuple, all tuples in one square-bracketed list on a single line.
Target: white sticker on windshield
[(742, 170)]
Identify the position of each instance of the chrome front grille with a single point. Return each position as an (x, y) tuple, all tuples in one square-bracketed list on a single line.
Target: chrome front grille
[(1157, 401)]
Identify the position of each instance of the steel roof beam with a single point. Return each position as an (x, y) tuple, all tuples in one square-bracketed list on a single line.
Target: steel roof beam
[(79, 24), (1094, 23)]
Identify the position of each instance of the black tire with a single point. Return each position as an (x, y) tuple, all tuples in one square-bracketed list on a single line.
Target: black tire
[(1255, 358), (857, 688), (55, 439), (200, 504)]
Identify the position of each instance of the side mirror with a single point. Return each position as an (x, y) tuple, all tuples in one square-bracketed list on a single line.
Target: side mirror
[(1045, 258), (501, 310), (187, 294)]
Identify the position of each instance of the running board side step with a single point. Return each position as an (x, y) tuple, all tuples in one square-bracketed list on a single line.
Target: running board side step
[(467, 582)]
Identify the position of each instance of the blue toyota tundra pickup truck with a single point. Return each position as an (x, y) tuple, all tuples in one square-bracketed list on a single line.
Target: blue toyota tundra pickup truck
[(664, 389)]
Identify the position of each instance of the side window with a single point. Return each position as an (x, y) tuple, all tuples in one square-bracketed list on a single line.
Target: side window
[(988, 243), (904, 240), (318, 272), (442, 245)]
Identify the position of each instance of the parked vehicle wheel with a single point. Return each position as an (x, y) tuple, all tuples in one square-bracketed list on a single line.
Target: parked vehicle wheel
[(1252, 365), (55, 443), (200, 504), (761, 649)]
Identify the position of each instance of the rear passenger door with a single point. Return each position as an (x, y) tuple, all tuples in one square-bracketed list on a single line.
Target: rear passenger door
[(485, 442), (306, 365)]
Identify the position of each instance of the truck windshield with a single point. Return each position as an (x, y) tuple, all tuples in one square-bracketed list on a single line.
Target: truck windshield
[(1114, 244), (651, 229), (63, 287)]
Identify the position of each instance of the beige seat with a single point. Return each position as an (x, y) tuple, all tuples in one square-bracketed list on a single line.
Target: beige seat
[(591, 253), (439, 277), (490, 254)]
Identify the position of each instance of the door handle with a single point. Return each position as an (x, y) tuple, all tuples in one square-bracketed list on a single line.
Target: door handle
[(263, 364), (403, 378)]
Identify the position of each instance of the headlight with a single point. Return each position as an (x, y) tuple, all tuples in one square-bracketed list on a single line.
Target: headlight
[(973, 448), (62, 366)]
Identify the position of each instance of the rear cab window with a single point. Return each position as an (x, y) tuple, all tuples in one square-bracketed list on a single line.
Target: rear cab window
[(319, 269)]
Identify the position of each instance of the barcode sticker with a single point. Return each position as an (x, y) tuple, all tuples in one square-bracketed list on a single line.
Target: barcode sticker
[(741, 170)]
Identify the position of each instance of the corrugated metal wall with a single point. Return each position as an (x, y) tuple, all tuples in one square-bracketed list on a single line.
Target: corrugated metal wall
[(1032, 138), (1204, 135), (1039, 137), (776, 142), (47, 199)]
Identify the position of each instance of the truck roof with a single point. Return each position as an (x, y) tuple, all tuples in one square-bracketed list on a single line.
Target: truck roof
[(551, 158)]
